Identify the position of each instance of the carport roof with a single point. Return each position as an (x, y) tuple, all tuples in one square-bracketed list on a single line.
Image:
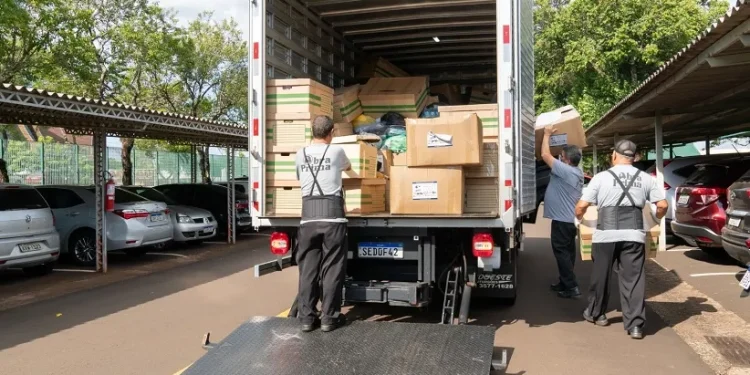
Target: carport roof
[(79, 115), (703, 91)]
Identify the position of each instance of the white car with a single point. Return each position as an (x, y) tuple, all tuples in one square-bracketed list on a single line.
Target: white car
[(135, 224), (28, 238)]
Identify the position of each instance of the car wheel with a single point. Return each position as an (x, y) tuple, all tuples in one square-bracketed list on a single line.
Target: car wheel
[(40, 270), (82, 247), (136, 253)]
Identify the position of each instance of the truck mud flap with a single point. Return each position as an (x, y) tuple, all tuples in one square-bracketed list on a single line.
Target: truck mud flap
[(263, 345), (273, 266)]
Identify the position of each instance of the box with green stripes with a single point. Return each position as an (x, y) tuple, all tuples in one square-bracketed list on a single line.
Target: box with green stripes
[(299, 96), (346, 104), (288, 133), (380, 67), (364, 159), (404, 95), (280, 166), (364, 196), (487, 113), (480, 95)]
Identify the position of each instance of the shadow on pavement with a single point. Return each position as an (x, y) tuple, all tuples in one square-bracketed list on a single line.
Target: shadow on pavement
[(717, 256), (36, 320)]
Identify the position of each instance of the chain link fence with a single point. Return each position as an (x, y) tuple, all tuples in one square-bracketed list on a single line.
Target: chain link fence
[(35, 163)]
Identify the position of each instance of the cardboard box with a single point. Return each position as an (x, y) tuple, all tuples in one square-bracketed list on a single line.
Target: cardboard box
[(588, 225), (488, 116), (342, 129), (481, 95), (281, 166), (449, 93), (569, 127), (298, 96), (482, 196), (288, 133), (399, 159), (380, 67), (385, 159), (490, 158), (427, 191), (406, 95), (284, 198), (346, 104), (364, 159), (444, 141)]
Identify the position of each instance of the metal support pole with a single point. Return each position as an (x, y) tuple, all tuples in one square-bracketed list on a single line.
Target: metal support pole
[(660, 175), (193, 166), (594, 161), (671, 151), (708, 145), (41, 154), (100, 179), (231, 202)]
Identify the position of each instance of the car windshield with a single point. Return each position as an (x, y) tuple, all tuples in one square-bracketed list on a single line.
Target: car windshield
[(21, 199), (151, 194)]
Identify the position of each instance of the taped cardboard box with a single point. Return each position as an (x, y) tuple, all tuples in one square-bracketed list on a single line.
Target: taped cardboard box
[(449, 93), (490, 158), (361, 196), (588, 225), (481, 95), (380, 67), (427, 191), (346, 104), (482, 196), (444, 141), (569, 127), (488, 115), (298, 96), (405, 95)]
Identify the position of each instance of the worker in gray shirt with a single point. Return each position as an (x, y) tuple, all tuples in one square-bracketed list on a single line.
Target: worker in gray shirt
[(620, 194), (563, 192), (322, 232)]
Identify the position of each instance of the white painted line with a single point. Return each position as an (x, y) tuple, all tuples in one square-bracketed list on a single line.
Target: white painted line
[(170, 255), (72, 270), (216, 242), (714, 274)]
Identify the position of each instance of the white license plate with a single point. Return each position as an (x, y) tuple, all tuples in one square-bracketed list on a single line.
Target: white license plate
[(387, 250), (157, 217), (734, 221), (28, 247), (745, 282), (208, 229), (683, 199)]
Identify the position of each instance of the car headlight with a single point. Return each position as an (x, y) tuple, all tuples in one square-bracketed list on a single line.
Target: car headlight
[(184, 218)]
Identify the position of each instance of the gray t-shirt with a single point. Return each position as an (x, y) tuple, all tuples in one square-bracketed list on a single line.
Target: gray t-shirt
[(604, 191), (563, 192), (328, 171)]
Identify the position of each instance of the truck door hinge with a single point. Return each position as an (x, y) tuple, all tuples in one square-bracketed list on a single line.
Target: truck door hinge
[(511, 84)]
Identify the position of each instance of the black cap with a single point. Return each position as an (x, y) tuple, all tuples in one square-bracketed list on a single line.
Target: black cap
[(626, 148)]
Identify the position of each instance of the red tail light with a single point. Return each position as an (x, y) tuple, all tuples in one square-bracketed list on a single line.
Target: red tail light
[(131, 214), (707, 195), (279, 243), (242, 205), (166, 211), (747, 242), (702, 239), (482, 245)]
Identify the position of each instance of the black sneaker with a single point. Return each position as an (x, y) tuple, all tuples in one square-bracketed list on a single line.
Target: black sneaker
[(559, 287), (636, 333), (330, 326), (310, 326), (569, 293), (601, 321)]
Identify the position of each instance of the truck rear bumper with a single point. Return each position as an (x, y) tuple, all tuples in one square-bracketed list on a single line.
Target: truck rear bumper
[(415, 294)]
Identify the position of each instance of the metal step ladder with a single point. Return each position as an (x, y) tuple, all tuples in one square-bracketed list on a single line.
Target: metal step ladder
[(451, 296)]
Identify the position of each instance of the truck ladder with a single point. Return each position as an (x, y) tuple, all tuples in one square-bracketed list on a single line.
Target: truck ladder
[(451, 296)]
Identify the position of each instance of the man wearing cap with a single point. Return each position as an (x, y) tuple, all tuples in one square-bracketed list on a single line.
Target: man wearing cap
[(620, 194), (563, 191)]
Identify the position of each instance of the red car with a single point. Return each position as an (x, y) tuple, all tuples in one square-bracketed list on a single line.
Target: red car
[(701, 203)]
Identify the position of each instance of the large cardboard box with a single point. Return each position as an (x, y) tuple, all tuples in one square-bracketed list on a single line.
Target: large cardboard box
[(482, 196), (380, 67), (399, 159), (342, 129), (444, 141), (588, 225), (404, 95), (298, 96), (490, 158), (282, 132), (481, 95), (346, 104), (385, 160), (364, 159), (450, 93), (569, 127), (361, 196), (281, 166), (427, 191), (488, 115), (283, 198)]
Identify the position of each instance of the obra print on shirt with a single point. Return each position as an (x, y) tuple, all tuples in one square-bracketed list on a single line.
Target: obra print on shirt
[(314, 162), (626, 178)]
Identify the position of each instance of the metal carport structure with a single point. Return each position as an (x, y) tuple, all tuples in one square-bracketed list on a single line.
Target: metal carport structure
[(702, 92), (78, 115)]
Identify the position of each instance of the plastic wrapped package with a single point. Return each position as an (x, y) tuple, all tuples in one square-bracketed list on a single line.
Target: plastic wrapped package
[(362, 120)]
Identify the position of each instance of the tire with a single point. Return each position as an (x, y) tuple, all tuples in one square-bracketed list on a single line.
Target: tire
[(136, 253), (82, 247), (40, 270)]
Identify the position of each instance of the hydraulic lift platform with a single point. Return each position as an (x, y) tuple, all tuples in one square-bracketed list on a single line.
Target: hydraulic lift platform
[(276, 346)]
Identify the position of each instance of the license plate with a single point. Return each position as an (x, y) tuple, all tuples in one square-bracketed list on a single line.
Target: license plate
[(208, 229), (734, 222), (28, 247), (745, 282), (683, 199), (388, 250), (157, 217)]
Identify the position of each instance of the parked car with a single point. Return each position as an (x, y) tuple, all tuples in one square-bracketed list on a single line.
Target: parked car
[(212, 198), (134, 225), (241, 185), (700, 212), (28, 238), (735, 235), (190, 223)]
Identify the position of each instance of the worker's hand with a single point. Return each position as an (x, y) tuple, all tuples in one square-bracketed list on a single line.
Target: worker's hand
[(549, 130), (577, 222)]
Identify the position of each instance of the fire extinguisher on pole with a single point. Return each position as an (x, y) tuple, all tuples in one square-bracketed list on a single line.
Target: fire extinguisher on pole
[(109, 193)]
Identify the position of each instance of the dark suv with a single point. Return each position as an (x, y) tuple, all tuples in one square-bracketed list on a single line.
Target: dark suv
[(701, 201), (212, 198), (736, 233)]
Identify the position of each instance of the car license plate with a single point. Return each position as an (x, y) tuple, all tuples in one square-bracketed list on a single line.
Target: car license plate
[(683, 199), (157, 217), (734, 222), (386, 250), (745, 282), (28, 247), (208, 229)]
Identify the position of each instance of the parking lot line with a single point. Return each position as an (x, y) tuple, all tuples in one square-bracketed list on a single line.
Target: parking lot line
[(170, 255), (72, 270), (715, 274)]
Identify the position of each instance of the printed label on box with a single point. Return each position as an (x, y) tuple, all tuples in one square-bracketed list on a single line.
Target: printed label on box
[(439, 140), (558, 140), (424, 190)]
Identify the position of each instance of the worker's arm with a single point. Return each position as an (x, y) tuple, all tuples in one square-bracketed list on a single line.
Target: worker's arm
[(581, 208), (345, 164), (656, 195), (546, 154), (661, 208), (588, 197)]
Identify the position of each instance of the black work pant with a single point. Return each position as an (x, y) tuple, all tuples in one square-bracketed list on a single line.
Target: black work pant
[(629, 258), (321, 257), (563, 237)]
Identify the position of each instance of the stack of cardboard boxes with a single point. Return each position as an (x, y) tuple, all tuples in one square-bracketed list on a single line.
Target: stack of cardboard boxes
[(380, 67)]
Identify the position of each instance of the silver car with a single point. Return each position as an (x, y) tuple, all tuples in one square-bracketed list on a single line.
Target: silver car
[(190, 223), (135, 223), (28, 238)]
